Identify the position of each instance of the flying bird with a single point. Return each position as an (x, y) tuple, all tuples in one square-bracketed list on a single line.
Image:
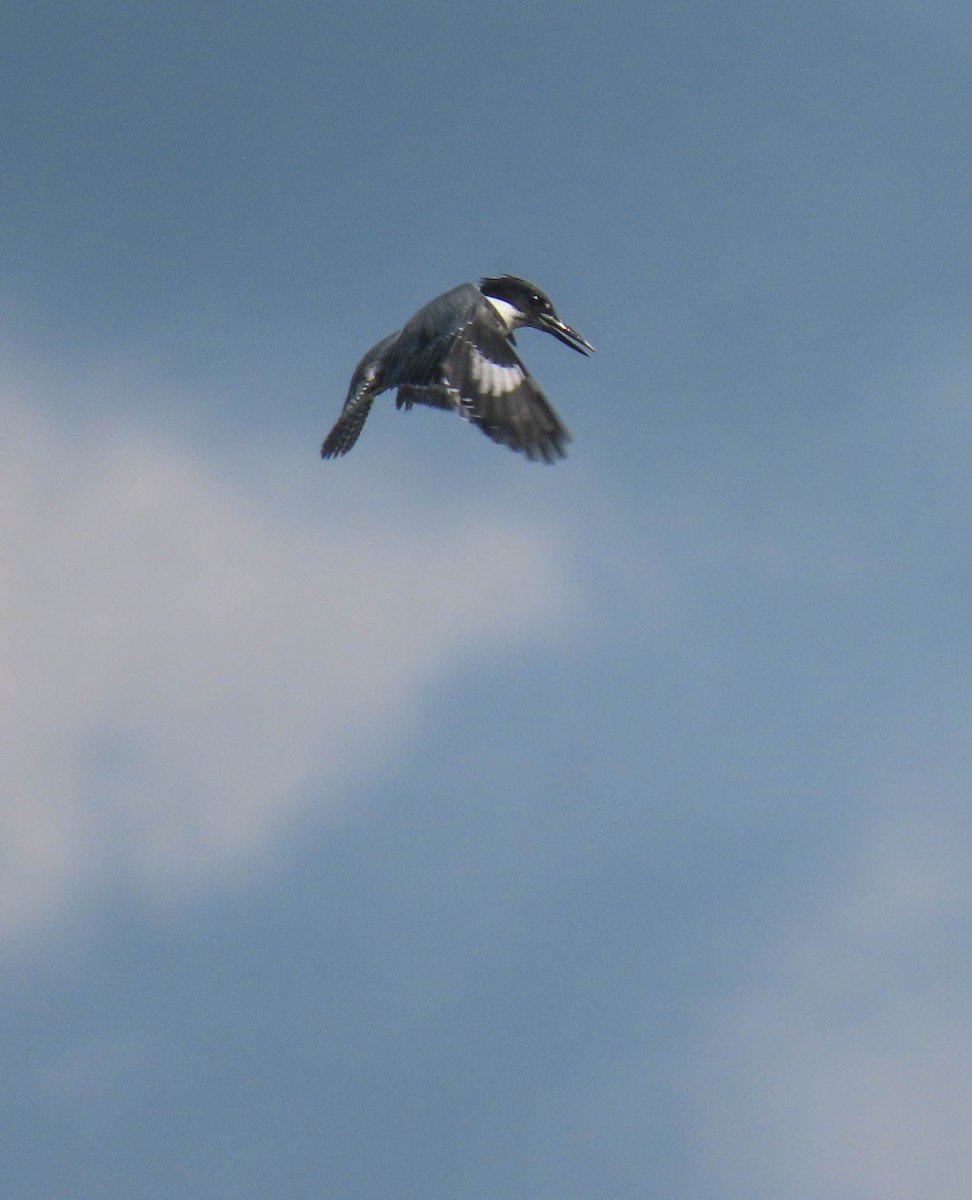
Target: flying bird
[(457, 353)]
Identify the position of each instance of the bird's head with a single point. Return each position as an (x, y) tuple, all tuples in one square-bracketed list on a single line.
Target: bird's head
[(519, 302)]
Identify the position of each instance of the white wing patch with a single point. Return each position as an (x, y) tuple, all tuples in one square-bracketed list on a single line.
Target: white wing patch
[(493, 377)]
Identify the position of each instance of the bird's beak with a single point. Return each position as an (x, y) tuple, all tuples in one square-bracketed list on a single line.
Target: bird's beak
[(563, 333)]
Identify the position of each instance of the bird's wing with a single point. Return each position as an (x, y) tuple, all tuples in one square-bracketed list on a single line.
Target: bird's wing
[(435, 395), (497, 392), (418, 357), (460, 356)]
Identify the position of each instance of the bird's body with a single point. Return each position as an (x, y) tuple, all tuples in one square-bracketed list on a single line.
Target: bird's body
[(457, 353)]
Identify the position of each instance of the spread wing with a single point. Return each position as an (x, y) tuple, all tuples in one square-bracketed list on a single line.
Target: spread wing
[(468, 363), (497, 393)]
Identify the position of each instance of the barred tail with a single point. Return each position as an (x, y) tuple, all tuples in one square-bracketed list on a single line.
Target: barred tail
[(348, 426)]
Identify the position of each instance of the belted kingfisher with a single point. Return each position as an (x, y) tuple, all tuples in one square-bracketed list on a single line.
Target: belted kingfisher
[(457, 353)]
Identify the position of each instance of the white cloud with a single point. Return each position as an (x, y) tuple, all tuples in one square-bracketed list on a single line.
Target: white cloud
[(846, 1070), (192, 657)]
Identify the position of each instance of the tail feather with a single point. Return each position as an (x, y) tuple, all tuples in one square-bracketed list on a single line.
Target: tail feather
[(348, 426)]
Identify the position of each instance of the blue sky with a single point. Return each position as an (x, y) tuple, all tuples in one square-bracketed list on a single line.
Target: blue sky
[(428, 823)]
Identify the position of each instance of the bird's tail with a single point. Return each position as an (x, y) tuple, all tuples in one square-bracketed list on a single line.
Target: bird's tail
[(348, 425)]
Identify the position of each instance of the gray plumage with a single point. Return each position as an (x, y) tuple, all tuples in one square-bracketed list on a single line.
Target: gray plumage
[(457, 353)]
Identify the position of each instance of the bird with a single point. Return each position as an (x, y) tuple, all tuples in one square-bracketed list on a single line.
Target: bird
[(457, 353)]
